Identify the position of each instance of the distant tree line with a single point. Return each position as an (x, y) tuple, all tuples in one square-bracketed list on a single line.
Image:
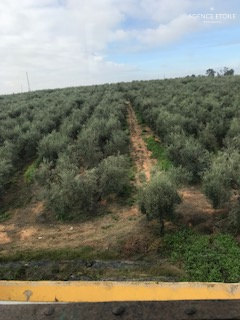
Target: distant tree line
[(225, 72)]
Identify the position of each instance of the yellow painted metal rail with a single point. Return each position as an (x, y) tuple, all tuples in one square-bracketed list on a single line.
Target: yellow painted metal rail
[(51, 291)]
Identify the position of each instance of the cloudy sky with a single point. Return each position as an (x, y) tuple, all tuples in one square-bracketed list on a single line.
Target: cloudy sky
[(64, 43)]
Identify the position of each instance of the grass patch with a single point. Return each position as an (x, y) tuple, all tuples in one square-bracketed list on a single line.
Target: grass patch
[(4, 215), (115, 217), (139, 117), (108, 226), (85, 253), (75, 270), (18, 193), (213, 258), (158, 152), (30, 172)]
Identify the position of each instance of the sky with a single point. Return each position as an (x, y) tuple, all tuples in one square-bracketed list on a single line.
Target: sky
[(65, 43)]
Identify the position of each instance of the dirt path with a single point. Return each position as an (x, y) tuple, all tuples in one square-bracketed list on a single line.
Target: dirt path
[(195, 208), (139, 152)]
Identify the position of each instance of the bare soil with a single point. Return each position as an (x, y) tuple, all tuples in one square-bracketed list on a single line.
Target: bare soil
[(139, 152)]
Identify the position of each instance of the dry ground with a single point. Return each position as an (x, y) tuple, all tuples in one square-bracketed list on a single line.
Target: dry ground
[(139, 152)]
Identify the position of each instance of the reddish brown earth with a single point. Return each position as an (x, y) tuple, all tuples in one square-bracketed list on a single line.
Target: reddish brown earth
[(139, 152)]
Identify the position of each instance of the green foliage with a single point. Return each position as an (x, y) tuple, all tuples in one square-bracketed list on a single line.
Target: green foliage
[(4, 216), (83, 253), (159, 153), (234, 219), (188, 153), (71, 195), (210, 73), (51, 146), (6, 166), (205, 258), (221, 184), (76, 129), (113, 175), (5, 171), (88, 149), (158, 198), (30, 173), (179, 176), (77, 171), (227, 72), (192, 116), (139, 118), (222, 178)]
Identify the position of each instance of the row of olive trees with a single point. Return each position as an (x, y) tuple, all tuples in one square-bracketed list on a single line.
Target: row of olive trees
[(194, 117), (71, 194), (78, 169), (28, 119), (198, 121)]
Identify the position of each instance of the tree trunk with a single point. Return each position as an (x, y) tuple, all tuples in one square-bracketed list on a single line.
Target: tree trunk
[(162, 228)]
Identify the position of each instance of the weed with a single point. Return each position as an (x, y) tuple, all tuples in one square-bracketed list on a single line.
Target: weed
[(139, 117), (107, 226), (85, 253), (115, 217), (204, 257), (158, 152), (4, 215), (29, 174)]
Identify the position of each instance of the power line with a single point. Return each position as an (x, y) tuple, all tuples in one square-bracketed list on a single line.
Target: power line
[(29, 89)]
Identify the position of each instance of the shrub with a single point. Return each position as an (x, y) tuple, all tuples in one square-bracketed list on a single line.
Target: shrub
[(222, 177), (51, 146), (189, 153), (72, 195), (5, 171), (113, 175), (30, 173), (158, 199), (88, 149), (118, 143), (234, 219), (6, 167)]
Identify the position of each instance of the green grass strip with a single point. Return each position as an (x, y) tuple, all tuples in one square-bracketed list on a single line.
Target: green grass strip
[(158, 152)]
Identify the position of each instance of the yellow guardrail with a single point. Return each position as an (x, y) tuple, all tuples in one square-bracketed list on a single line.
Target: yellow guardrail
[(106, 291)]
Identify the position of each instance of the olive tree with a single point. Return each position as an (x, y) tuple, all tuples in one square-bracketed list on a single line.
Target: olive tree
[(113, 175), (221, 184), (51, 145), (71, 195), (6, 167), (158, 199), (188, 152)]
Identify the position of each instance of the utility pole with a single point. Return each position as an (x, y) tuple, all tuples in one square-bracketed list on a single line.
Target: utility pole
[(29, 89)]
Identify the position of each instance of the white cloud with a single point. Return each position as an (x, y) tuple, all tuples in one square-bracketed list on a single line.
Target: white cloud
[(56, 42), (66, 42), (168, 33), (164, 10)]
